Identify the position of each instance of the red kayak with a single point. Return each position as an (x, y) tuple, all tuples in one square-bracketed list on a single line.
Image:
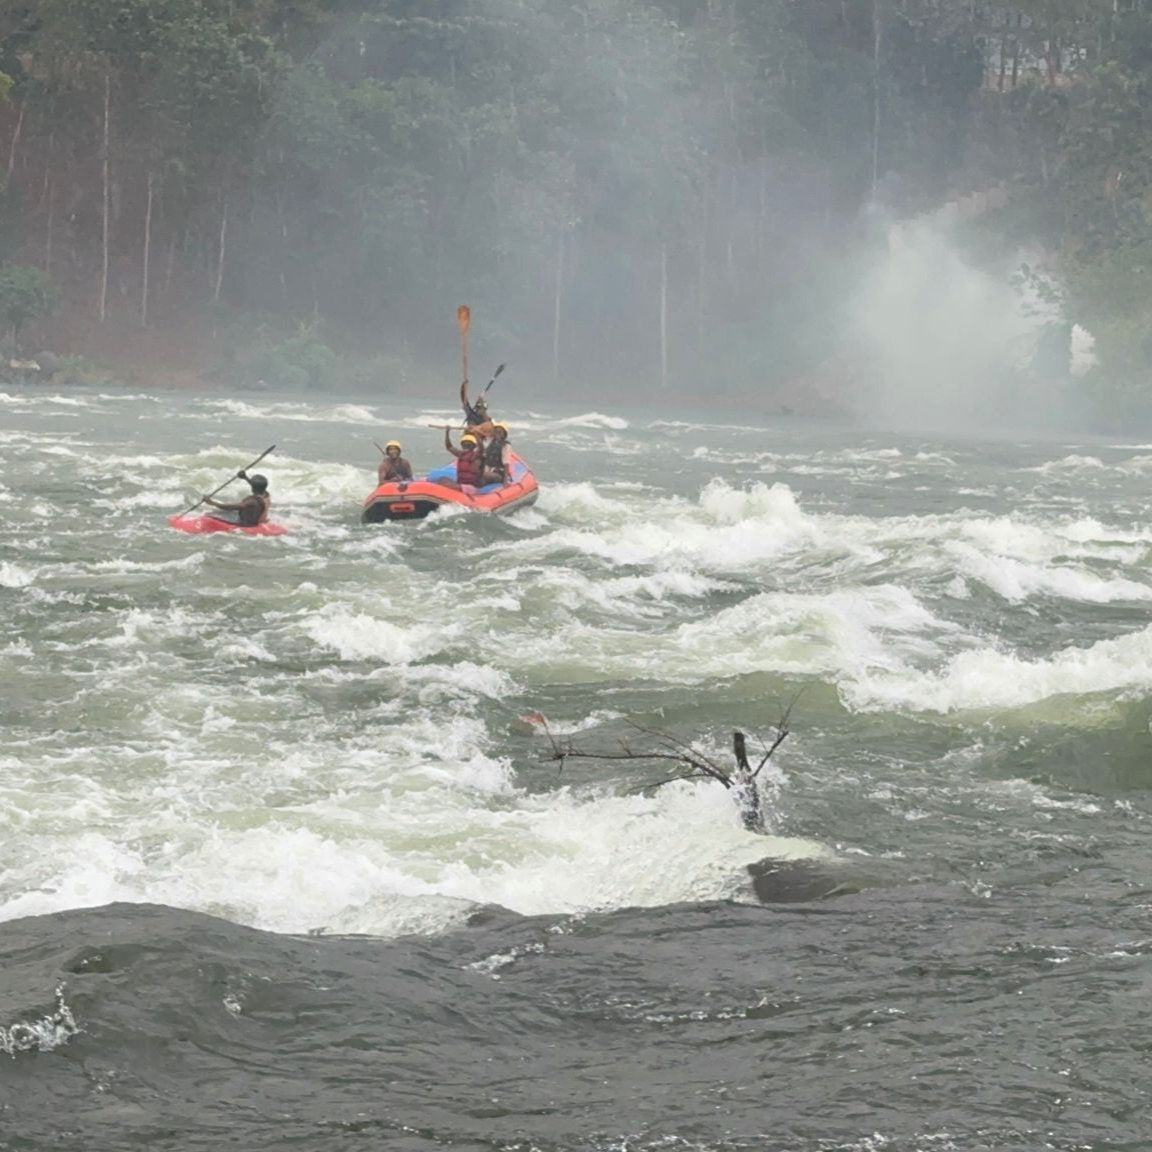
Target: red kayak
[(414, 499), (198, 525)]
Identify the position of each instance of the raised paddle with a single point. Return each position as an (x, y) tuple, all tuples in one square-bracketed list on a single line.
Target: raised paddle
[(495, 374), (464, 320), (227, 482)]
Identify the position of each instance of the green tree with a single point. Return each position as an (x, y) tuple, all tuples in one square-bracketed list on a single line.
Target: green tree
[(26, 294)]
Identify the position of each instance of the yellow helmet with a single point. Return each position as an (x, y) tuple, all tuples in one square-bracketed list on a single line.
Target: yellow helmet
[(467, 438), (502, 426), (393, 444)]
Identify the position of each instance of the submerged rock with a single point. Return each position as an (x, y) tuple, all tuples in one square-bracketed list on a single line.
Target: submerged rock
[(800, 881)]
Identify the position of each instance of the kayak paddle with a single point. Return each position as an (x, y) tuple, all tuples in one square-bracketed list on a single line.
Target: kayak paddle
[(493, 380), (227, 482)]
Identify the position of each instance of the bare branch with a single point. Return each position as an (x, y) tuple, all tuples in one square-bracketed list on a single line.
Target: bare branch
[(782, 732), (676, 752), (570, 753), (688, 751), (692, 764), (781, 736), (791, 704)]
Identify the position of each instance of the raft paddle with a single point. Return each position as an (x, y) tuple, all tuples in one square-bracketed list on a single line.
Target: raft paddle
[(227, 482), (464, 319)]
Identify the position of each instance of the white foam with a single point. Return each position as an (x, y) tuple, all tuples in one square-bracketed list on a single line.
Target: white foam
[(356, 636), (988, 678), (14, 576), (585, 420), (421, 857), (43, 1034), (729, 531), (322, 742), (299, 413), (1016, 581)]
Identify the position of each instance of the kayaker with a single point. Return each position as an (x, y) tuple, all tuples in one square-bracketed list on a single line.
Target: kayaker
[(497, 456), (254, 508), (394, 467), (469, 460)]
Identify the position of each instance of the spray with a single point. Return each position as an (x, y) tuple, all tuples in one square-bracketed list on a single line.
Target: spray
[(947, 345)]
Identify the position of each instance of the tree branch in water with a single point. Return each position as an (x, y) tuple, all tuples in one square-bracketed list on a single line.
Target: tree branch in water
[(696, 765)]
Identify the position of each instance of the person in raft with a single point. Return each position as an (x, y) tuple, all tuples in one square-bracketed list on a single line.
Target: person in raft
[(469, 461), (393, 467), (250, 511), (476, 417), (497, 456)]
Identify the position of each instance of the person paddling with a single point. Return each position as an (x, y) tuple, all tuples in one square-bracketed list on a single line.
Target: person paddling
[(394, 467), (253, 509), (469, 460)]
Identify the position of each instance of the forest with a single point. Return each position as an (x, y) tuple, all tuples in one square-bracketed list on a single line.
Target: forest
[(640, 197)]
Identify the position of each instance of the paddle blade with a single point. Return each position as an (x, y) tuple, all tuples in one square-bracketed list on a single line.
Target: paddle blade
[(464, 317), (495, 377)]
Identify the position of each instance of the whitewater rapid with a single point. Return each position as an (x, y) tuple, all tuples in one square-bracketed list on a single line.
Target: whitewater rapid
[(325, 731)]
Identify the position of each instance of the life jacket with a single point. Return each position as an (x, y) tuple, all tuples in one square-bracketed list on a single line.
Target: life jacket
[(470, 468), (253, 510)]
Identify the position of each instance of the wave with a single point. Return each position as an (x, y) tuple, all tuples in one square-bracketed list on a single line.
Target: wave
[(988, 678), (414, 864), (597, 420), (299, 413)]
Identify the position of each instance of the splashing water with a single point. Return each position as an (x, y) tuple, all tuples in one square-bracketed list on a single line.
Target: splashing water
[(949, 345), (43, 1035)]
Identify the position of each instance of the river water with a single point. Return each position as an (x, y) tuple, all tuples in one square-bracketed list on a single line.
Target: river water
[(284, 861)]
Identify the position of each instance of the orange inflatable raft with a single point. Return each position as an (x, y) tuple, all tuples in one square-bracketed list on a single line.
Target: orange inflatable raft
[(415, 499)]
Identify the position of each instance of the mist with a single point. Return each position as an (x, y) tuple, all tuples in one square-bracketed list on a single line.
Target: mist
[(950, 345), (652, 200)]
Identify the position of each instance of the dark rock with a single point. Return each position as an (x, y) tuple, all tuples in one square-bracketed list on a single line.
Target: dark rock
[(49, 363), (799, 881)]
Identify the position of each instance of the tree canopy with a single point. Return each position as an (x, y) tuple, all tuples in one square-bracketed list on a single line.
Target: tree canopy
[(631, 190)]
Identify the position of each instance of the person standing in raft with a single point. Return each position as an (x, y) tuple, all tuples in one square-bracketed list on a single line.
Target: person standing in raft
[(250, 511), (476, 418), (393, 467), (469, 461), (473, 413), (497, 456)]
